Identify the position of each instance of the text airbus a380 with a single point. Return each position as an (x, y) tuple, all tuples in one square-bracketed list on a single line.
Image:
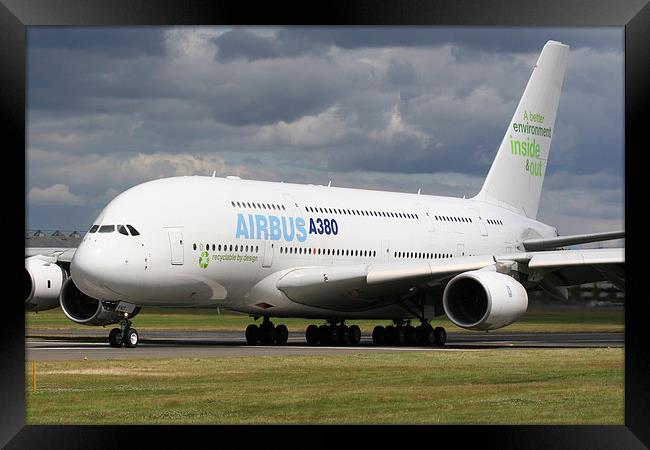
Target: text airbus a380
[(277, 250)]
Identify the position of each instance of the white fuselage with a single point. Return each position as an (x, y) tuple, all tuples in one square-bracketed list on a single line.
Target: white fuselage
[(196, 249)]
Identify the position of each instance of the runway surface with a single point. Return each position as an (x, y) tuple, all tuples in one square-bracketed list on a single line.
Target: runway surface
[(44, 345)]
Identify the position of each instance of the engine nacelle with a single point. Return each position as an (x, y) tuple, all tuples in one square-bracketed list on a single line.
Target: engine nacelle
[(43, 281), (85, 310), (484, 300)]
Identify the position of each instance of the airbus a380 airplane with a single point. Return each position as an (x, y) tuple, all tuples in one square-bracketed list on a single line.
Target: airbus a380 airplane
[(276, 250)]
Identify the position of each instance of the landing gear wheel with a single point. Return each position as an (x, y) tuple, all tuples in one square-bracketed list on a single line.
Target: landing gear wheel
[(419, 335), (400, 335), (115, 338), (252, 334), (440, 336), (342, 335), (333, 335), (131, 338), (312, 335), (409, 335), (379, 335), (389, 335), (354, 335), (267, 333), (324, 335), (281, 334), (429, 336)]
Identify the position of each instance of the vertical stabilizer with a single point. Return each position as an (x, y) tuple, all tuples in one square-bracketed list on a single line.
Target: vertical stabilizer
[(517, 173)]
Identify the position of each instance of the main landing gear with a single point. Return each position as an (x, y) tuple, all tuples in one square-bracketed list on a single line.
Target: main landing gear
[(403, 333), (267, 333), (123, 336), (334, 333)]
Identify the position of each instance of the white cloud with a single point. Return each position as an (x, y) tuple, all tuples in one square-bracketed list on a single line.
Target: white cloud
[(57, 194), (325, 128), (396, 127)]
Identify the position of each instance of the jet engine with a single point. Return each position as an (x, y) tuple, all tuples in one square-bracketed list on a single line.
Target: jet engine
[(484, 300), (43, 281), (85, 310)]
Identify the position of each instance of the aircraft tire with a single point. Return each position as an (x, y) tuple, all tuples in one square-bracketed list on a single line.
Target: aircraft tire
[(311, 335), (323, 335), (379, 335), (429, 337), (343, 335), (131, 338), (115, 338), (389, 336), (409, 335), (400, 335), (252, 334), (440, 336), (355, 335), (281, 334)]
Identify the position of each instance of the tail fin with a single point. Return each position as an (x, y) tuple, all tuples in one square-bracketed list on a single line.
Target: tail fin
[(517, 173)]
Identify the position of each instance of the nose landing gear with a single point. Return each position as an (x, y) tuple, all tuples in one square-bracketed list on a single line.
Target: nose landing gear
[(123, 336)]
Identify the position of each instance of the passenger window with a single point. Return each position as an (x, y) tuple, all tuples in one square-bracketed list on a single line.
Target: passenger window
[(194, 246), (93, 228), (106, 228), (122, 230)]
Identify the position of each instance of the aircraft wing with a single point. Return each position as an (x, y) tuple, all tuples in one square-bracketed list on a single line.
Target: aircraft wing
[(560, 241), (365, 286), (51, 254)]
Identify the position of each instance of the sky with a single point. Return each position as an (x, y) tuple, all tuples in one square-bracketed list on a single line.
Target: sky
[(387, 108)]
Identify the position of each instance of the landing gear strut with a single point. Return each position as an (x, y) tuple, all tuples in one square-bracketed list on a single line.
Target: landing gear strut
[(125, 335)]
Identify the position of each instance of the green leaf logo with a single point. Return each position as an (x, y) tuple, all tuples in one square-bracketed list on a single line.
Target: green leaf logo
[(204, 260)]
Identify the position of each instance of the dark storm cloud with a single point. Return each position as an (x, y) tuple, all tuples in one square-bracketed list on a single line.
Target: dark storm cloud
[(125, 43), (244, 43)]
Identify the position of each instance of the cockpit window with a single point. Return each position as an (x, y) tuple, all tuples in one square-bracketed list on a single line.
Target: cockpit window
[(93, 228), (122, 230), (133, 231), (106, 228)]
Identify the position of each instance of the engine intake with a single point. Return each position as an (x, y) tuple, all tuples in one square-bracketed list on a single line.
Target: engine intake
[(42, 282), (85, 310), (484, 300)]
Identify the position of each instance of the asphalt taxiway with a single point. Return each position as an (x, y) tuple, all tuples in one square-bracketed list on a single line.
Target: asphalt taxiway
[(44, 345)]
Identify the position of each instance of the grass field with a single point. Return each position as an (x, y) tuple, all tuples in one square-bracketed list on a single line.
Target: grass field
[(556, 386), (548, 320)]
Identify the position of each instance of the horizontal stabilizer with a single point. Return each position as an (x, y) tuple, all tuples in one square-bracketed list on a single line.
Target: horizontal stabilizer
[(560, 241)]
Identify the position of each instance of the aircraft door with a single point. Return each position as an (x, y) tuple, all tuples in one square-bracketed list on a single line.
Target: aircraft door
[(176, 246), (460, 250), (479, 221), (267, 259), (424, 215), (385, 251)]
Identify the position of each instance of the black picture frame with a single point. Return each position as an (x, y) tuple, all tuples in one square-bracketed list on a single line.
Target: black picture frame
[(634, 15)]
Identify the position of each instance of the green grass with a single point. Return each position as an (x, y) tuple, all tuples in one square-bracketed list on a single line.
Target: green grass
[(554, 386), (535, 320)]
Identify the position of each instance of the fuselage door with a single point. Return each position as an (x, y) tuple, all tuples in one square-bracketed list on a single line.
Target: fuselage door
[(176, 246), (425, 216), (267, 260), (477, 219)]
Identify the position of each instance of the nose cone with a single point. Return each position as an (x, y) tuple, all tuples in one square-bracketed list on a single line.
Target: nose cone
[(88, 270)]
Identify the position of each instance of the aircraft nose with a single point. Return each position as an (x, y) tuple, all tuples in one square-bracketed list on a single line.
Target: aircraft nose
[(86, 268)]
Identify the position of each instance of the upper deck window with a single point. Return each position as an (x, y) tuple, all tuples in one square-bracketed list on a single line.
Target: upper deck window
[(106, 229)]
